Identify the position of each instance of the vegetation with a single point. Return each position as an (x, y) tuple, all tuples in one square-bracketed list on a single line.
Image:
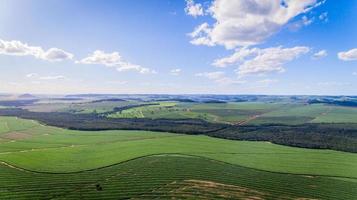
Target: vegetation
[(320, 136), (49, 149), (170, 176), (76, 150)]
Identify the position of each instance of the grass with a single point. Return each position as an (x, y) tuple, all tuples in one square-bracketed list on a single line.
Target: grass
[(338, 114), (171, 176), (52, 149)]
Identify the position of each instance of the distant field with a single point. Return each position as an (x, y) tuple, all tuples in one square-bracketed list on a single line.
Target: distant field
[(255, 113), (212, 112), (306, 113), (338, 114), (44, 148), (247, 113), (83, 107)]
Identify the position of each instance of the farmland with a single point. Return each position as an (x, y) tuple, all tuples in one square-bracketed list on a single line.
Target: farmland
[(37, 148), (144, 149), (250, 113), (170, 176)]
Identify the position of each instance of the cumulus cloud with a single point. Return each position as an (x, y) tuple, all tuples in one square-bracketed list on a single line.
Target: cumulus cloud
[(193, 9), (248, 22), (320, 54), (175, 72), (219, 77), (348, 55), (18, 48), (55, 54), (261, 61), (113, 60)]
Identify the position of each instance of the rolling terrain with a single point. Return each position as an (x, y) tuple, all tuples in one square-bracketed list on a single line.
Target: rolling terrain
[(147, 148), (103, 164)]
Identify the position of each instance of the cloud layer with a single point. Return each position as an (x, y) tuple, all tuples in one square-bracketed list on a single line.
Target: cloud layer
[(247, 22), (18, 48)]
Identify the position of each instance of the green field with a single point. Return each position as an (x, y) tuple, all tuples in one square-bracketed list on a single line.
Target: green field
[(83, 107), (31, 145), (212, 112), (231, 165), (170, 176), (248, 113)]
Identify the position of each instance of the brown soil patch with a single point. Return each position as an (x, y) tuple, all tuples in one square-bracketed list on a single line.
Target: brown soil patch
[(16, 136), (200, 189)]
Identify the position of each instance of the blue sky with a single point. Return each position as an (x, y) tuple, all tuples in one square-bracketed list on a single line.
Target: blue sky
[(178, 47)]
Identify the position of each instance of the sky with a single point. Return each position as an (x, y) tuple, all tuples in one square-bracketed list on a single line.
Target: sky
[(278, 47)]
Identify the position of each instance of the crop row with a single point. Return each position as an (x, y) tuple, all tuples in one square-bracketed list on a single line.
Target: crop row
[(165, 176)]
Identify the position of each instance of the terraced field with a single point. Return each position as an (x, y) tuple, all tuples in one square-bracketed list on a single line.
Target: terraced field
[(73, 164)]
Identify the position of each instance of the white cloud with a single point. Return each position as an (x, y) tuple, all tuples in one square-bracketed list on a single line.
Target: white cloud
[(18, 48), (31, 75), (117, 82), (175, 72), (261, 61), (219, 77), (248, 22), (211, 75), (323, 16), (320, 54), (348, 55), (238, 56), (57, 77), (268, 81), (199, 35), (55, 54), (37, 76), (333, 84), (193, 9), (113, 60), (306, 21), (354, 73)]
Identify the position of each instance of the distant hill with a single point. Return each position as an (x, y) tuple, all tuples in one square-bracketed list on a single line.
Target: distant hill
[(26, 96)]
